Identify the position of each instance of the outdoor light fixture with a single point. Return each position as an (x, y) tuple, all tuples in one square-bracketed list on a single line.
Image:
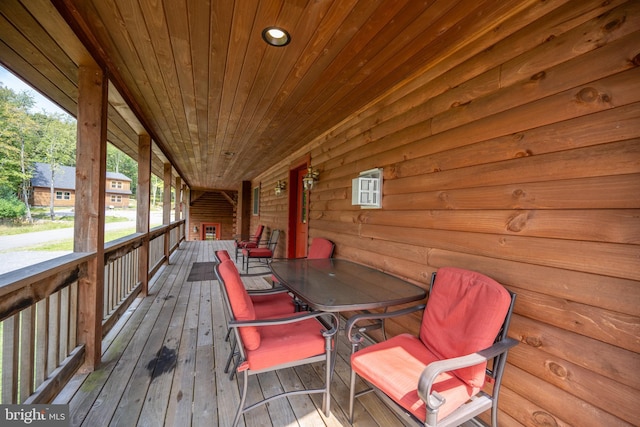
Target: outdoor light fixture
[(276, 36), (309, 180), (280, 187), (195, 228)]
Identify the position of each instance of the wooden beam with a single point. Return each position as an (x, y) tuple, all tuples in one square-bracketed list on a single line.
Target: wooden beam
[(143, 208), (229, 198), (91, 155), (166, 209), (178, 198)]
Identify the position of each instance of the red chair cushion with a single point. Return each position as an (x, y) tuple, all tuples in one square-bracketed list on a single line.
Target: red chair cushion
[(394, 366), (257, 253), (241, 303), (320, 249), (464, 313), (286, 343), (273, 305), (246, 244), (222, 255)]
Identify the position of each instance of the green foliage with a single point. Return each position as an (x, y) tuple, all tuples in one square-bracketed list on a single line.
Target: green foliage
[(11, 208)]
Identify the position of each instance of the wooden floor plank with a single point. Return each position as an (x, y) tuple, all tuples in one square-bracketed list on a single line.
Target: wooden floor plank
[(188, 321)]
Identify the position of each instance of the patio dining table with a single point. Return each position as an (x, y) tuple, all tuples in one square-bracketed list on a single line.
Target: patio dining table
[(338, 285)]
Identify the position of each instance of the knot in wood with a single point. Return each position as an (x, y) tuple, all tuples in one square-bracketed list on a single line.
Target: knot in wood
[(544, 419), (614, 25), (588, 94), (518, 193), (533, 341), (636, 60), (517, 223), (524, 153), (557, 370), (443, 196), (539, 76), (392, 171)]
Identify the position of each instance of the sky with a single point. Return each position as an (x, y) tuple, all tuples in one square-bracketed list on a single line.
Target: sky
[(7, 79)]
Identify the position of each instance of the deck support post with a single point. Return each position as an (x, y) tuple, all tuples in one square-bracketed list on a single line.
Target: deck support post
[(91, 160), (178, 198), (166, 208), (143, 209)]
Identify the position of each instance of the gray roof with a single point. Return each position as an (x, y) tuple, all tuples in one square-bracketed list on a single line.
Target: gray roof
[(65, 177)]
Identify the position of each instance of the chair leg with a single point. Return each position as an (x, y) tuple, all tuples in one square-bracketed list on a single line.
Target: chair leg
[(243, 398), (352, 394), (231, 354)]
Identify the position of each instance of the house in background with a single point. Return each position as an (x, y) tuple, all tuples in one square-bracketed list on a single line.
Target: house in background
[(118, 187)]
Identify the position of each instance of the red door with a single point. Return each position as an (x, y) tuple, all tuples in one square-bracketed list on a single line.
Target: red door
[(298, 213)]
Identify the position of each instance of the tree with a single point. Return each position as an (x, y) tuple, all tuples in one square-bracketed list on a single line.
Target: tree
[(57, 147), (17, 138)]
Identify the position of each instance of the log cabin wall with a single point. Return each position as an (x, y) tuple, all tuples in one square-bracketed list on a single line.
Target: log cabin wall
[(212, 207), (519, 157)]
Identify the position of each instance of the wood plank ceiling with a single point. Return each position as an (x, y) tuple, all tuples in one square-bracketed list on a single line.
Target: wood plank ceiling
[(222, 104)]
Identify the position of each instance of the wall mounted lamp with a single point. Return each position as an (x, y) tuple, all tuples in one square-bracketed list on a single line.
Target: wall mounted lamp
[(309, 180), (280, 187), (195, 228)]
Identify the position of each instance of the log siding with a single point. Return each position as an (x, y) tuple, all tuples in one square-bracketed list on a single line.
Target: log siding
[(519, 157)]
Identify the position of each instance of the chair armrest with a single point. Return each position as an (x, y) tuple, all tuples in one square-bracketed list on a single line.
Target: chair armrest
[(351, 323), (431, 372), (290, 319)]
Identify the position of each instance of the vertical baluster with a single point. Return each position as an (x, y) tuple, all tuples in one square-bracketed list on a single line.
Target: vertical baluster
[(106, 291), (41, 342), (10, 348), (63, 342), (54, 332), (27, 337), (73, 316)]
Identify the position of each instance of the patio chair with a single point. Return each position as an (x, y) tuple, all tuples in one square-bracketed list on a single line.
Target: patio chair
[(267, 303), (253, 242), (437, 378), (260, 254), (276, 343)]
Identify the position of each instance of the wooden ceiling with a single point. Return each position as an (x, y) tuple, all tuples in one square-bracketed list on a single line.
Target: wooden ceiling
[(221, 104)]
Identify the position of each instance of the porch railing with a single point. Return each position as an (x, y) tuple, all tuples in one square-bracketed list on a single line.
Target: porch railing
[(39, 317)]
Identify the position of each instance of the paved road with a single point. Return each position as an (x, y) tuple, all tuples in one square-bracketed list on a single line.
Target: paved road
[(14, 253), (13, 256)]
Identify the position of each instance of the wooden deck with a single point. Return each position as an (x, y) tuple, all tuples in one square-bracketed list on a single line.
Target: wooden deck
[(163, 365)]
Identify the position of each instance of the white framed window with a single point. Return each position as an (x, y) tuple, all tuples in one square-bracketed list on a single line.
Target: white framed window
[(116, 199), (63, 195), (256, 201), (366, 189), (116, 184)]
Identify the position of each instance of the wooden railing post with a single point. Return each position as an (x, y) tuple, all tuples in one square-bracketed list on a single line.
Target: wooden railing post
[(91, 155), (166, 209), (143, 209), (178, 199)]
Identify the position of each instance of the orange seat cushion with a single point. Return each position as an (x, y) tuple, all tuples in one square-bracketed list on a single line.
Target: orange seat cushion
[(286, 343), (394, 366)]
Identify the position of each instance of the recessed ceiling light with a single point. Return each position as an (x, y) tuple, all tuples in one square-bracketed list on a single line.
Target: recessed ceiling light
[(276, 36)]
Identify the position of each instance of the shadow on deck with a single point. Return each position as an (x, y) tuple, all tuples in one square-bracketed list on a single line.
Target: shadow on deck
[(163, 364)]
